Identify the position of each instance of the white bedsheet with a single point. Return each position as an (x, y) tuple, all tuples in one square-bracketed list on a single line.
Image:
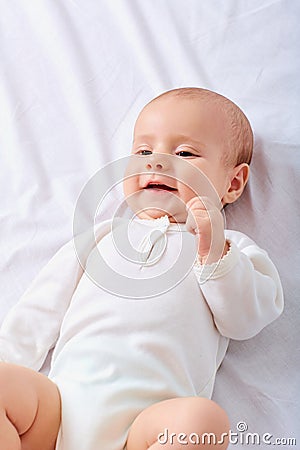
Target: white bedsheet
[(74, 75)]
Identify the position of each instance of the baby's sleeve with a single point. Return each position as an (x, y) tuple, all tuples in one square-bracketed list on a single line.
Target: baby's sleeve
[(243, 290), (32, 326)]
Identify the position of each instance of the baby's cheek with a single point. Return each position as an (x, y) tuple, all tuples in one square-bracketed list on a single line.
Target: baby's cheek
[(190, 181), (130, 185), (186, 192)]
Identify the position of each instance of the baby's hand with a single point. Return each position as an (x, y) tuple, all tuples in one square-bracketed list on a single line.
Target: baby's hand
[(205, 220)]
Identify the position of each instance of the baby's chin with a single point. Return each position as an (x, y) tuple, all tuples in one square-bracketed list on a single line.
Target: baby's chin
[(152, 214)]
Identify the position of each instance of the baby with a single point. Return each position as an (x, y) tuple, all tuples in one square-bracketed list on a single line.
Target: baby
[(134, 368)]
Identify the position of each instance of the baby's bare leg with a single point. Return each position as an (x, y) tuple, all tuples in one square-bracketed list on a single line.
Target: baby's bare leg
[(180, 423), (29, 409)]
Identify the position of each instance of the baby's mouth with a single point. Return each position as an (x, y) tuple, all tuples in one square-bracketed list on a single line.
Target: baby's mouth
[(159, 186)]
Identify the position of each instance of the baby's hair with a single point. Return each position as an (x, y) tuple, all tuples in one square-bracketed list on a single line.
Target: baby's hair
[(240, 143)]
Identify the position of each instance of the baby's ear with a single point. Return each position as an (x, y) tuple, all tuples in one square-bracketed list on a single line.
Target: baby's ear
[(237, 182)]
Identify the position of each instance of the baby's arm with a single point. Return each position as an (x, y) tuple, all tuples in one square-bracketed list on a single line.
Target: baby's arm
[(243, 290), (32, 326), (239, 281)]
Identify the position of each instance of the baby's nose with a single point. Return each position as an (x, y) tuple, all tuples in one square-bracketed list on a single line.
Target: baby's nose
[(157, 162)]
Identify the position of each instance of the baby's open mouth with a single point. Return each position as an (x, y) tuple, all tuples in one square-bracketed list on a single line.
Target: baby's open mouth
[(160, 186)]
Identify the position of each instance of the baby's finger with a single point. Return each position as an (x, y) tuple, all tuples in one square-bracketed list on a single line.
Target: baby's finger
[(191, 224), (196, 219), (195, 202)]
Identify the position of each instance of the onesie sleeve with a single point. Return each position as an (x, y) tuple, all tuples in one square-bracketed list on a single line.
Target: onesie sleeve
[(243, 290), (32, 326)]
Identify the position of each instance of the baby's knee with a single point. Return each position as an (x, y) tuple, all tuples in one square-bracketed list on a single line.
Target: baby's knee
[(183, 422), (194, 416), (16, 379), (203, 412), (18, 395), (31, 403)]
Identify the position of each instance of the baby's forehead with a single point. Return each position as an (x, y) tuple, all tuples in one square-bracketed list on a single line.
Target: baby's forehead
[(196, 108), (192, 117), (209, 103)]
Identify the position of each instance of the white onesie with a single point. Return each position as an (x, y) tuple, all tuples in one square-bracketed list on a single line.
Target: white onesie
[(113, 355)]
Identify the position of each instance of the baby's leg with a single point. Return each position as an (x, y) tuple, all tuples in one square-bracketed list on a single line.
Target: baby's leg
[(29, 409), (180, 423)]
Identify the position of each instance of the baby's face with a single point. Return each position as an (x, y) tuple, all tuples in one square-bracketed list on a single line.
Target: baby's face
[(178, 147)]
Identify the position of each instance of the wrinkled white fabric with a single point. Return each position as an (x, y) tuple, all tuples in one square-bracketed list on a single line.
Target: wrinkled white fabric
[(74, 76)]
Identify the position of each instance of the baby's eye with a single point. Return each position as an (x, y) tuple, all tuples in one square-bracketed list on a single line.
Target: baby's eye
[(144, 152), (184, 153)]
